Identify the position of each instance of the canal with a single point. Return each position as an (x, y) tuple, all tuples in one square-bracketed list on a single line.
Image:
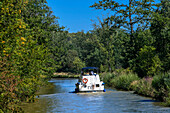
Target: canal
[(57, 98)]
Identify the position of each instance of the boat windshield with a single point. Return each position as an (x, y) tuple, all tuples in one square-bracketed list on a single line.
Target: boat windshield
[(89, 71)]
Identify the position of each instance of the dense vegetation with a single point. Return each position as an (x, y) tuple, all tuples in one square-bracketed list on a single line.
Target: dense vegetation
[(26, 60), (135, 37), (157, 87)]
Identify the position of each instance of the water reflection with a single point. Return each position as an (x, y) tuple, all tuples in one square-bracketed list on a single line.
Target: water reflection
[(58, 99)]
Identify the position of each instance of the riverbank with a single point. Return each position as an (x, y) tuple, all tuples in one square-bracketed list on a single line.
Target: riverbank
[(64, 75), (157, 87)]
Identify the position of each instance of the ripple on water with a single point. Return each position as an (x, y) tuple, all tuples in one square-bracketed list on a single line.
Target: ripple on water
[(60, 100)]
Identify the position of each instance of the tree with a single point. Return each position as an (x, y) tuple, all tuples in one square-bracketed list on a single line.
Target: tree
[(69, 59), (58, 46), (45, 30), (142, 38), (39, 17), (136, 12), (23, 55), (160, 31), (148, 63), (101, 51), (78, 64), (110, 44)]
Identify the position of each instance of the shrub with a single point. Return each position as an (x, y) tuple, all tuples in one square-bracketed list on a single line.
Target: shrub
[(147, 62), (23, 61), (161, 83), (107, 77), (124, 81), (8, 87), (167, 101), (143, 87), (122, 71)]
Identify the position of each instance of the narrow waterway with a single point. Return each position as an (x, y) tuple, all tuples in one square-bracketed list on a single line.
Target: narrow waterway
[(59, 99)]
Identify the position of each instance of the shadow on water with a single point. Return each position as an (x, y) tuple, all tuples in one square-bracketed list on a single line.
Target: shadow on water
[(149, 100), (49, 89), (72, 92)]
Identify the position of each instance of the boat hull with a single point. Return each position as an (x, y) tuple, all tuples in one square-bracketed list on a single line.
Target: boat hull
[(88, 91)]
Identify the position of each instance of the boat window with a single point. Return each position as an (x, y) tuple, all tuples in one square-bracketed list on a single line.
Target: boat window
[(97, 85)]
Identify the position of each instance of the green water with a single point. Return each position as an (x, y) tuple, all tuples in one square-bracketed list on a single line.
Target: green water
[(57, 98)]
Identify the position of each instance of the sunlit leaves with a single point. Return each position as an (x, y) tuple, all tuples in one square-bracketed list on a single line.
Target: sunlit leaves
[(23, 53), (148, 63)]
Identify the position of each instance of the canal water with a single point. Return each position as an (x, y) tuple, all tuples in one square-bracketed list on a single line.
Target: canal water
[(58, 98)]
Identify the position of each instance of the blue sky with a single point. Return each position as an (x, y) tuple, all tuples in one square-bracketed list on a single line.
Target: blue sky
[(76, 15)]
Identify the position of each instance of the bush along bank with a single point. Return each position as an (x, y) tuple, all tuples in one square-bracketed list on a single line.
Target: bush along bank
[(157, 87), (65, 75)]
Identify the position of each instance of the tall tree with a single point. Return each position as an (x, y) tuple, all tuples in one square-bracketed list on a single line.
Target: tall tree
[(135, 12), (40, 19), (44, 28), (58, 46), (130, 16), (160, 28), (21, 58)]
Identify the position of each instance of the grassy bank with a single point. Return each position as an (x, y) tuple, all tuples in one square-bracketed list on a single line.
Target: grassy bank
[(64, 75), (157, 87)]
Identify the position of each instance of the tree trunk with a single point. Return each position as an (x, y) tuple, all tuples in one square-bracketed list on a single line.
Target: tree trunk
[(130, 17)]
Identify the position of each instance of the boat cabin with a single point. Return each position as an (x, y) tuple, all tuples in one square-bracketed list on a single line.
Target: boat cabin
[(89, 81)]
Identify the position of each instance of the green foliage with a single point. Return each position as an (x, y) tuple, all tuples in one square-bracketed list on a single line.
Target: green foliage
[(69, 59), (33, 46), (160, 30), (124, 81), (136, 12), (24, 53), (8, 87), (161, 83), (106, 49), (13, 57), (148, 63), (102, 68), (78, 64), (107, 77), (45, 30), (140, 39), (143, 87), (58, 46)]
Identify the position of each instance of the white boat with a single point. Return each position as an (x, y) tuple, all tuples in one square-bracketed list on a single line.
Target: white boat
[(89, 81)]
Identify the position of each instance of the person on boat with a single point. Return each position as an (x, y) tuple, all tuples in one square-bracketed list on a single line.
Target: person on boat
[(82, 73), (91, 72)]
